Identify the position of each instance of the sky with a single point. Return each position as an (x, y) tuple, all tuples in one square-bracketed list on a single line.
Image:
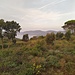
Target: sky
[(38, 14)]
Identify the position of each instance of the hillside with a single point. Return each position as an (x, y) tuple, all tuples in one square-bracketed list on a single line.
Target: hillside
[(36, 57)]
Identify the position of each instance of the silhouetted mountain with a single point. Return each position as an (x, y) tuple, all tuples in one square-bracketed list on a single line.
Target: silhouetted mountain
[(50, 31), (37, 33)]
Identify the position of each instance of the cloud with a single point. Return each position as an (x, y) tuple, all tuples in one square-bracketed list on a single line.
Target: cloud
[(52, 3), (35, 14), (37, 19), (34, 18)]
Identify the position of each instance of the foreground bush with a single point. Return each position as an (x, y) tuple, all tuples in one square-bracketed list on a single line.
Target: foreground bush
[(50, 38), (59, 35), (68, 35)]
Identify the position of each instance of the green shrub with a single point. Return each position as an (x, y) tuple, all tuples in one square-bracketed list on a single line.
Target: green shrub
[(50, 38), (0, 46), (5, 53), (34, 38), (41, 45), (5, 46), (60, 55), (68, 35), (69, 51), (59, 35), (36, 52), (6, 73), (40, 37), (30, 71), (14, 41), (69, 66), (25, 37), (52, 61), (72, 38), (57, 46)]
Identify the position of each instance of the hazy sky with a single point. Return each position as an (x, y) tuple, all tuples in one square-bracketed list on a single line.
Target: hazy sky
[(38, 14)]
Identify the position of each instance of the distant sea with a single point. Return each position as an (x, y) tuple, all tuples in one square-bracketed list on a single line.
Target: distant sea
[(20, 36)]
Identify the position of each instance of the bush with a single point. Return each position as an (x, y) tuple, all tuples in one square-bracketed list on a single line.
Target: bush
[(41, 45), (40, 37), (14, 41), (5, 53), (68, 35), (59, 35), (52, 61), (50, 38), (5, 46), (72, 38), (25, 37), (5, 73), (36, 52), (70, 66), (34, 38), (30, 71), (0, 46), (57, 46)]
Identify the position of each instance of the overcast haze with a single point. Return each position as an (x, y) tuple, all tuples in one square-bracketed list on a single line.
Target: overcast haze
[(38, 14)]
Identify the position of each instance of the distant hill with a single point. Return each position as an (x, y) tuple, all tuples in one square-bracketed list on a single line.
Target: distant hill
[(36, 33)]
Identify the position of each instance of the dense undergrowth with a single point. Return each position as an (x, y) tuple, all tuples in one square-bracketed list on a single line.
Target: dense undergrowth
[(36, 57)]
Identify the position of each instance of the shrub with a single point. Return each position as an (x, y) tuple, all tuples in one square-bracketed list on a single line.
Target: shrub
[(36, 52), (68, 35), (34, 38), (52, 61), (50, 38), (0, 46), (57, 46), (14, 41), (5, 53), (41, 45), (59, 35), (5, 73), (69, 66), (25, 37), (30, 71), (5, 46), (40, 37), (72, 38)]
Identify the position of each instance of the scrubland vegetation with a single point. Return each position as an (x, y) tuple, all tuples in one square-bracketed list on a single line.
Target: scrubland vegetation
[(53, 54), (36, 57)]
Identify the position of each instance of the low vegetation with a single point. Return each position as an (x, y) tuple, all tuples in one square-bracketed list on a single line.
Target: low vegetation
[(53, 54)]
